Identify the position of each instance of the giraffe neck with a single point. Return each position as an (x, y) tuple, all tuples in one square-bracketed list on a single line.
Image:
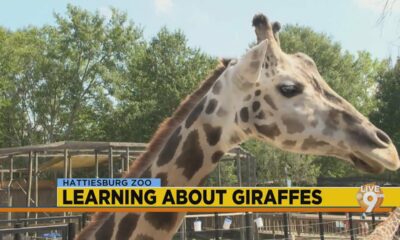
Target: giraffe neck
[(189, 154), (388, 228), (195, 147)]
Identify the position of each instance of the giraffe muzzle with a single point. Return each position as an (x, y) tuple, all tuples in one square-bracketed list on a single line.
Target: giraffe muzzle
[(376, 160), (366, 165)]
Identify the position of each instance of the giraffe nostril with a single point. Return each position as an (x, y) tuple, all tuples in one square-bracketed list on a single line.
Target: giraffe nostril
[(383, 137)]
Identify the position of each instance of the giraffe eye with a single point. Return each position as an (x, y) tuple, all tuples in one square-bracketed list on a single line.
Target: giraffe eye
[(290, 90)]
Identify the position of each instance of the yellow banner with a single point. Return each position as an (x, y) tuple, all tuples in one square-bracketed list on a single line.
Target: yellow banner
[(367, 197)]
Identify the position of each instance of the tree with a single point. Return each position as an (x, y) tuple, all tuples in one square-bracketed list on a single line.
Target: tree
[(58, 76), (387, 114), (158, 77)]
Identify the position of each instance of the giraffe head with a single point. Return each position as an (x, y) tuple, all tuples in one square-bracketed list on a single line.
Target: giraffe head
[(285, 102)]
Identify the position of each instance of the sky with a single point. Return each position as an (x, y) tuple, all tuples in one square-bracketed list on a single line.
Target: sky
[(223, 28)]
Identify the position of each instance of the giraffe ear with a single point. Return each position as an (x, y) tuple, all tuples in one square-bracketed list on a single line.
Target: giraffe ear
[(248, 69)]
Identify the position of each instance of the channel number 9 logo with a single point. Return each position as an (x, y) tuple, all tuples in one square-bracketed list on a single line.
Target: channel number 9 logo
[(370, 197)]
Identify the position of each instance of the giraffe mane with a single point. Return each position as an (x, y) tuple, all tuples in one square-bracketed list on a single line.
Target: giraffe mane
[(164, 130)]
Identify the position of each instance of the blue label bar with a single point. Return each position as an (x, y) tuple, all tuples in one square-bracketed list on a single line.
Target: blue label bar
[(108, 182)]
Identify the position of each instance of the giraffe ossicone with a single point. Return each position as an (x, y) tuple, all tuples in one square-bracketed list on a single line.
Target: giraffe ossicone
[(267, 94)]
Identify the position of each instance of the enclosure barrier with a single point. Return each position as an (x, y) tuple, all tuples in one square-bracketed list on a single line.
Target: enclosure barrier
[(296, 226), (67, 230)]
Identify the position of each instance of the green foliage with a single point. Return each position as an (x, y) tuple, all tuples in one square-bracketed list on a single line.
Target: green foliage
[(275, 166), (57, 77), (88, 78), (387, 114), (158, 77)]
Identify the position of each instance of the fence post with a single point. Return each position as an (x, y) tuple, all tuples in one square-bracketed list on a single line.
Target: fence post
[(352, 235), (249, 226), (286, 225), (71, 231), (110, 163), (84, 217), (18, 236), (216, 225), (373, 221), (321, 226)]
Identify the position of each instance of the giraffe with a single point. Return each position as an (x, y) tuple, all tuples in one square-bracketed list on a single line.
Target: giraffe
[(387, 229), (275, 97)]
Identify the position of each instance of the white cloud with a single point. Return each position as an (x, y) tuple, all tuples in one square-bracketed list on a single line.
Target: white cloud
[(379, 5), (163, 6)]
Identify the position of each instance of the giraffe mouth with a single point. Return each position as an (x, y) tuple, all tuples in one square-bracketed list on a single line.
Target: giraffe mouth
[(366, 164)]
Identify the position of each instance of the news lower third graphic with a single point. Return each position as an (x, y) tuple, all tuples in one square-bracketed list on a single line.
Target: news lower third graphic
[(146, 194)]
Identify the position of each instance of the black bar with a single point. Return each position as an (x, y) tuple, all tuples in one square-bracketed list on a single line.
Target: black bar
[(248, 226), (84, 217), (71, 231), (17, 236), (216, 232), (321, 226), (110, 163), (352, 234), (373, 221), (286, 225), (96, 163)]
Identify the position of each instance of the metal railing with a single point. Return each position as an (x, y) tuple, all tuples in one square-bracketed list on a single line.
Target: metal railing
[(67, 231)]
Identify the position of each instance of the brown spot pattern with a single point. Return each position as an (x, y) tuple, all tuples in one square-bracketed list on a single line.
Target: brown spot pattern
[(212, 105), (332, 122), (146, 173), (256, 106), (106, 230), (270, 102), (350, 119), (162, 220), (217, 88), (257, 92), (244, 114), (217, 156), (289, 143), (292, 125), (213, 134), (311, 142), (143, 237), (261, 115), (168, 152), (191, 157), (126, 226), (163, 176), (247, 98), (270, 131), (195, 113)]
